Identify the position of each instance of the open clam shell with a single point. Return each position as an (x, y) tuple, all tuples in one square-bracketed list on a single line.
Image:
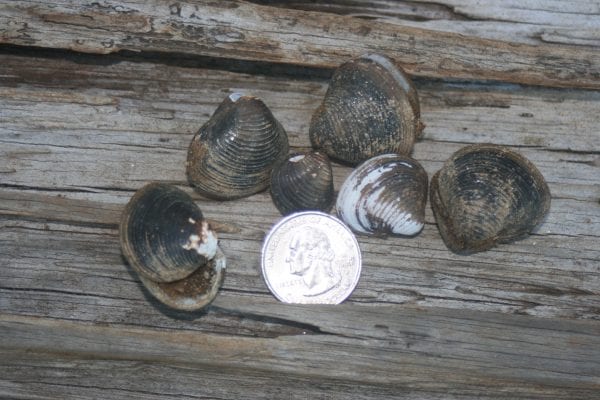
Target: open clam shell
[(303, 182), (487, 194), (194, 292), (167, 241), (232, 155), (371, 107), (385, 195)]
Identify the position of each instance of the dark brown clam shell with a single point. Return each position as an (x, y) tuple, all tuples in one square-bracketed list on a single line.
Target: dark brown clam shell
[(194, 292), (487, 194), (167, 241), (232, 155), (385, 195), (303, 182), (371, 107)]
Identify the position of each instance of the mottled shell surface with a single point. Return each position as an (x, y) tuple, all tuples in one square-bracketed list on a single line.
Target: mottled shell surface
[(167, 241), (371, 107), (232, 155), (385, 195), (303, 182), (487, 194)]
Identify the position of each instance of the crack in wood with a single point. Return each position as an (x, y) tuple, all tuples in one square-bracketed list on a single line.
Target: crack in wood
[(460, 57), (285, 327)]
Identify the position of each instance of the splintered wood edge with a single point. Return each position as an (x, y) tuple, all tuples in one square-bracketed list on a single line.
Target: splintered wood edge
[(293, 37)]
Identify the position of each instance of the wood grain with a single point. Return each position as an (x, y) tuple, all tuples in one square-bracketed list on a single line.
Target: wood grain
[(405, 350), (252, 32), (531, 21)]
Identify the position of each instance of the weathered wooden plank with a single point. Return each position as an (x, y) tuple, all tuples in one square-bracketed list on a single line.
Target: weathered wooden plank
[(47, 265), (69, 377), (52, 376), (252, 32), (434, 351), (74, 160), (133, 121), (531, 21), (568, 217), (570, 175)]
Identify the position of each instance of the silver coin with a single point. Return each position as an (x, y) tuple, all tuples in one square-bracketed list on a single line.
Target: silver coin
[(311, 258)]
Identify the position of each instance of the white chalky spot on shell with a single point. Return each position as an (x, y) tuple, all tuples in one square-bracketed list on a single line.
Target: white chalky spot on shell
[(204, 244), (220, 263), (235, 96), (349, 206), (297, 158)]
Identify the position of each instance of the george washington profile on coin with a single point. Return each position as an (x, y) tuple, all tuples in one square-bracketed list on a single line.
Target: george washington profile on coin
[(311, 257)]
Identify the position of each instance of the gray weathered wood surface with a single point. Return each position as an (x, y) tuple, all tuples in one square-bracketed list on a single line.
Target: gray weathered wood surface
[(79, 133), (244, 30)]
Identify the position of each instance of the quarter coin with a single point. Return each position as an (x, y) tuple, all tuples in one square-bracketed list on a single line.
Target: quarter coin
[(311, 258)]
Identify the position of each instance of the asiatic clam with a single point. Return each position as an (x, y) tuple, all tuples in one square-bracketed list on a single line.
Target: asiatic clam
[(385, 195), (232, 154), (487, 194), (304, 181), (371, 107), (168, 242)]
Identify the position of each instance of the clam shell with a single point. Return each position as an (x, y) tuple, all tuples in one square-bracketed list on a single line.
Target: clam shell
[(384, 195), (370, 108), (303, 182), (232, 155), (487, 194), (194, 292), (167, 241)]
